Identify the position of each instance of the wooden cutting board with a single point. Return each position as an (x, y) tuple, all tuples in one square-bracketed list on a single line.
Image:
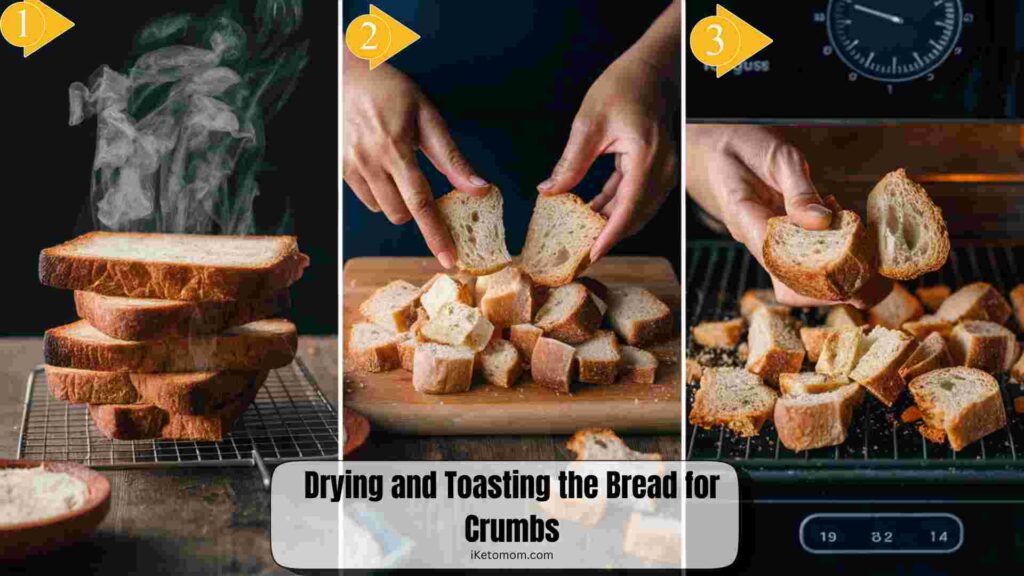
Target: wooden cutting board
[(389, 401)]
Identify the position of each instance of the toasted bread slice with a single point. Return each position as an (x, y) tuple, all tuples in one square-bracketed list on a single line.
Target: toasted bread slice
[(800, 383), (145, 421), (932, 354), (174, 266), (756, 298), (878, 368), (809, 421), (933, 296), (965, 403), (477, 228), (558, 241), (928, 324), (733, 398), (568, 315), (832, 264), (189, 393), (598, 358), (638, 316), (983, 345), (148, 319), (638, 365), (814, 338), (260, 345), (841, 352), (910, 231), (724, 334), (442, 369), (898, 308), (775, 347), (977, 301)]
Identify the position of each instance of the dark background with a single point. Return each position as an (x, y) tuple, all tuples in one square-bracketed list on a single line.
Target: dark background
[(46, 164), (508, 77)]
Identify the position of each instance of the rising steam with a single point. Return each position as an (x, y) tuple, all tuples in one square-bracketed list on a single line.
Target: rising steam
[(180, 135)]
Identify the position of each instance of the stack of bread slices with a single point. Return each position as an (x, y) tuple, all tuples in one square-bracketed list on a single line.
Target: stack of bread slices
[(947, 359), (495, 319), (176, 333)]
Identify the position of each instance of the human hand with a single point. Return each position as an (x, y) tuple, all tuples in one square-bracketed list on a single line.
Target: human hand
[(743, 175), (387, 119)]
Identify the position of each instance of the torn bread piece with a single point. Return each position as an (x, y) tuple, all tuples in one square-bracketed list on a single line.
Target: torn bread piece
[(775, 347), (442, 369), (809, 421), (733, 398), (477, 228), (561, 233), (977, 301), (499, 364), (604, 444), (638, 365), (723, 334), (511, 298), (459, 325), (983, 345), (933, 296), (442, 289), (964, 403), (761, 297), (392, 306), (799, 383), (844, 315), (373, 348), (898, 308), (841, 352), (553, 364), (568, 315), (931, 354), (832, 264), (598, 358), (928, 324), (638, 316), (909, 228), (524, 338), (814, 338), (878, 368)]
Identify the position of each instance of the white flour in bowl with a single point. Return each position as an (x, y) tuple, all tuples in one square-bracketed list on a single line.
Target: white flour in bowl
[(28, 494)]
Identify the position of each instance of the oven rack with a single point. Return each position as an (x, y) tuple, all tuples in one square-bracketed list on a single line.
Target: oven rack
[(290, 420), (879, 446)]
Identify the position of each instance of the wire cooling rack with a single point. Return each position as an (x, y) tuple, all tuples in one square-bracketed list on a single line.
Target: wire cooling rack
[(289, 420)]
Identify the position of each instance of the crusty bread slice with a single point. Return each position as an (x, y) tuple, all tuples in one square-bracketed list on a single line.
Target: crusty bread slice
[(908, 227), (963, 402), (932, 354), (723, 334), (406, 353), (260, 345), (392, 306), (553, 364), (668, 351), (174, 266), (598, 292), (147, 319), (733, 398), (569, 314), (843, 316), (814, 338), (604, 444), (524, 338), (898, 308), (977, 301), (928, 324), (759, 297), (598, 358), (841, 352), (182, 393), (832, 264), (800, 383), (373, 348), (442, 369), (558, 241), (459, 325), (144, 421), (983, 345), (511, 298), (878, 368), (775, 347), (638, 365), (442, 289), (933, 296), (499, 363), (810, 421), (477, 228), (638, 316)]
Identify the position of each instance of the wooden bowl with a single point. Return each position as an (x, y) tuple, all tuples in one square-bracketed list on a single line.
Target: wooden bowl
[(357, 428), (28, 538)]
